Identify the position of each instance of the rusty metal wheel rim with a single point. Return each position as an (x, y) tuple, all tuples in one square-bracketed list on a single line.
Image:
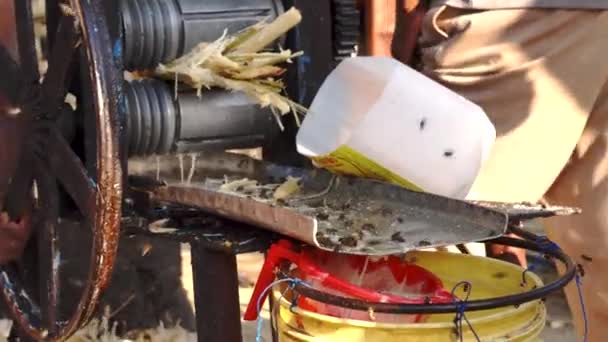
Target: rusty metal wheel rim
[(80, 28)]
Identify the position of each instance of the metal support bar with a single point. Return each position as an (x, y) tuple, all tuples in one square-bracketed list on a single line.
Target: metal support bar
[(216, 295)]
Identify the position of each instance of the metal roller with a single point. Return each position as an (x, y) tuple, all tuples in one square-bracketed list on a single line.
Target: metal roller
[(157, 31), (157, 123)]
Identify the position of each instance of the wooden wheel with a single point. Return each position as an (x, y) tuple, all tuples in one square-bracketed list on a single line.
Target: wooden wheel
[(53, 167)]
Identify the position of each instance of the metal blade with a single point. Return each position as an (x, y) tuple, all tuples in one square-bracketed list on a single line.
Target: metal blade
[(350, 215), (518, 212)]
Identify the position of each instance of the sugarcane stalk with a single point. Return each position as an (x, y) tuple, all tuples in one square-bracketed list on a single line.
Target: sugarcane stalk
[(269, 33), (234, 63)]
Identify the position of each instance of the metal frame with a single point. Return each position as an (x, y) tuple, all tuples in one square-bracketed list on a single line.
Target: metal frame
[(216, 298), (214, 244)]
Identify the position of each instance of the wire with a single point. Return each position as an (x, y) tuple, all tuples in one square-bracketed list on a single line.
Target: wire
[(275, 307), (292, 284), (549, 247), (462, 307), (579, 283)]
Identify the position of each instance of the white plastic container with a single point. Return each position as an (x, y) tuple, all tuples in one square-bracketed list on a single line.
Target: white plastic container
[(376, 117)]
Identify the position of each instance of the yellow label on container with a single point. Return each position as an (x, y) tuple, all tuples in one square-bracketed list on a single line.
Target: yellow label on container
[(347, 161)]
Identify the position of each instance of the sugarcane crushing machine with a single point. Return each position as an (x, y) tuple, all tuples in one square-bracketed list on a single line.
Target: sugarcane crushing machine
[(76, 152), (83, 119)]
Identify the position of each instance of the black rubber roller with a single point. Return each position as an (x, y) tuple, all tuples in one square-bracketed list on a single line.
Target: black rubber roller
[(157, 123), (151, 117), (157, 31)]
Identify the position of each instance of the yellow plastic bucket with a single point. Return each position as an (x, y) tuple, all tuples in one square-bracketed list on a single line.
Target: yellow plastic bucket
[(489, 278)]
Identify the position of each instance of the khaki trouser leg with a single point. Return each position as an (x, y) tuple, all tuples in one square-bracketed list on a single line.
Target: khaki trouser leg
[(539, 75), (584, 183)]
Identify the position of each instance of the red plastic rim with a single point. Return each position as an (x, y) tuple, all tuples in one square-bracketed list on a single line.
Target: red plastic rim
[(429, 286), (306, 262)]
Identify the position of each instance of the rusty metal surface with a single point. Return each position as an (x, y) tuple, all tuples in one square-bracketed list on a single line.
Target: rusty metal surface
[(49, 159), (335, 213), (102, 78)]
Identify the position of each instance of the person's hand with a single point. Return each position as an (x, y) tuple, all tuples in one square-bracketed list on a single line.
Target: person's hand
[(510, 254), (13, 237)]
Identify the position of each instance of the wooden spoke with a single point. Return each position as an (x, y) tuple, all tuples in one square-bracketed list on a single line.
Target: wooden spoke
[(58, 76), (49, 257), (19, 191), (70, 173), (76, 30), (53, 13), (11, 81), (28, 57)]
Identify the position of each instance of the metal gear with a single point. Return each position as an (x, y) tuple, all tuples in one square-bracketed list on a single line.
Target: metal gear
[(346, 28)]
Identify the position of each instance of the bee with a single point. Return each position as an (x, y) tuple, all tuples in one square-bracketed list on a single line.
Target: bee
[(397, 237), (424, 243), (422, 124), (349, 241)]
